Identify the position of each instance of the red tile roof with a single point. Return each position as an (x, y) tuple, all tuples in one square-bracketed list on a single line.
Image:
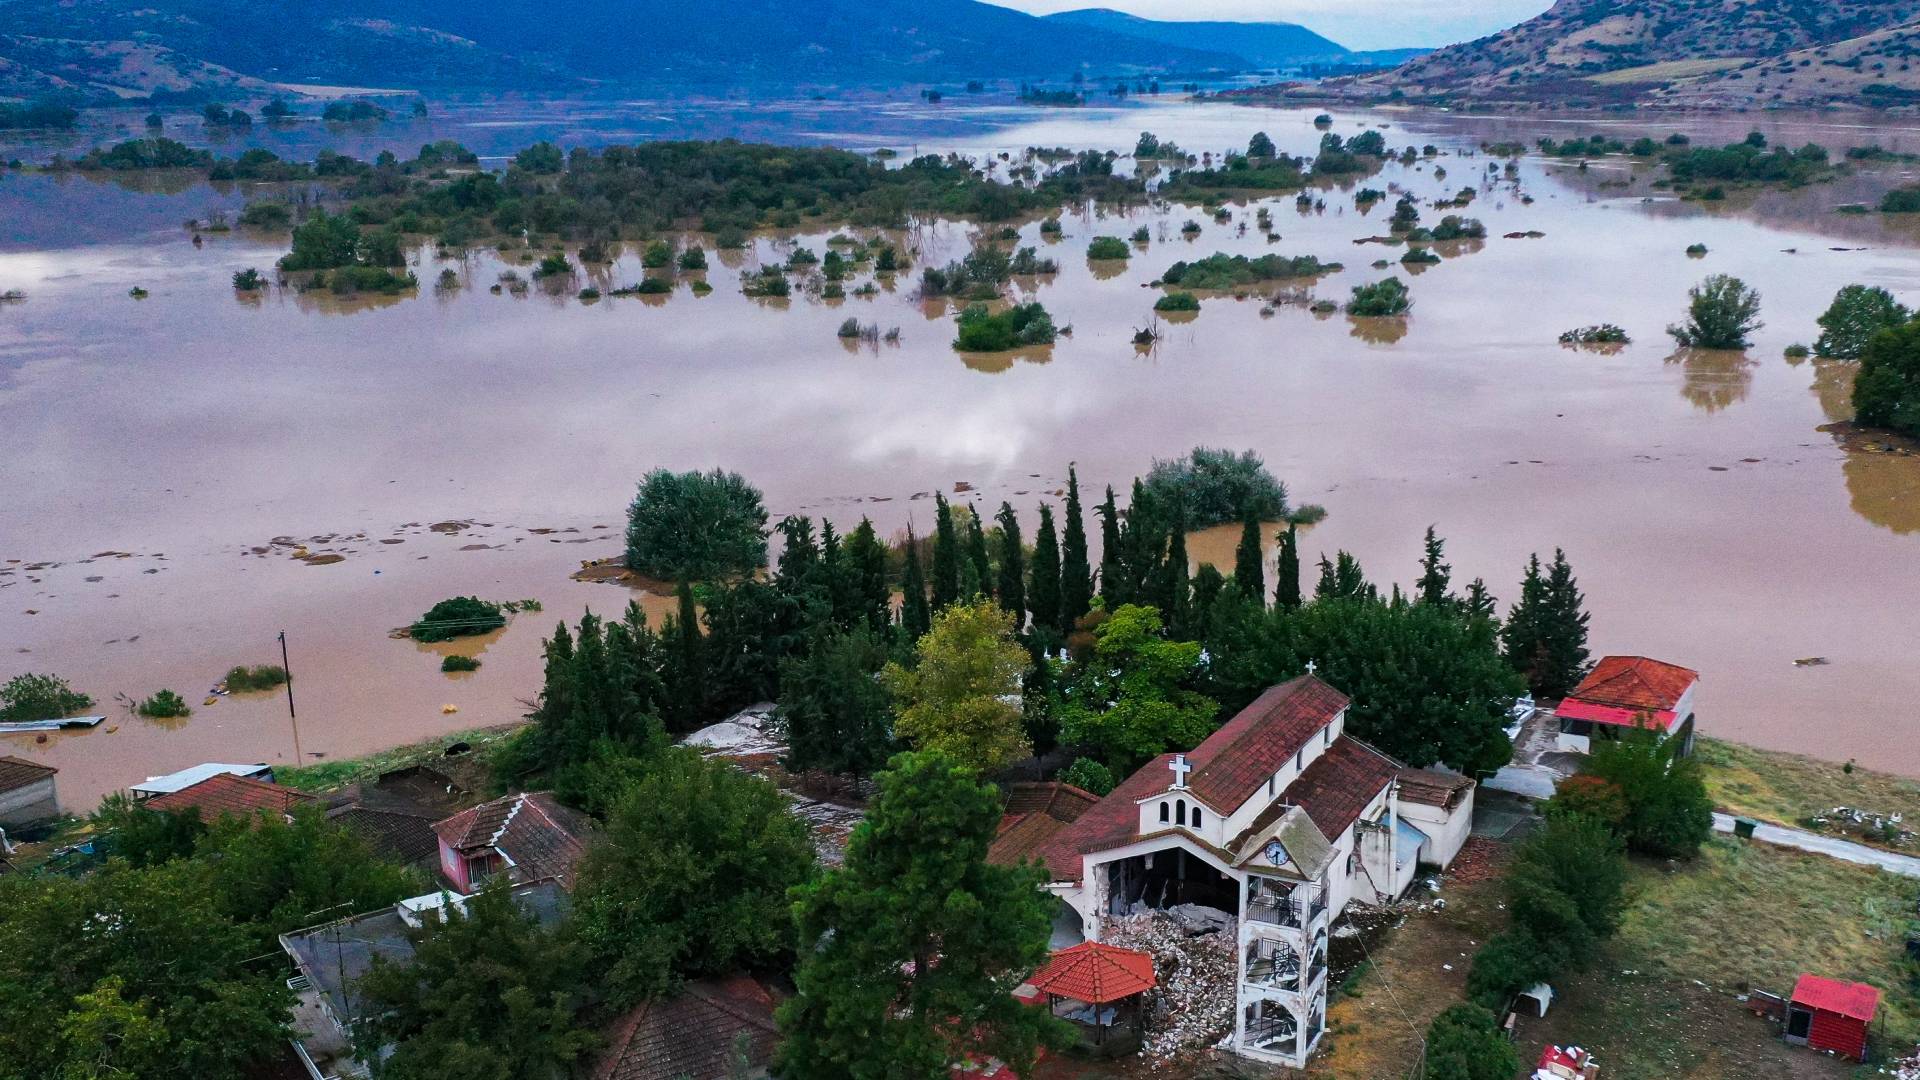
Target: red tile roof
[(1110, 823), (1337, 788), (1635, 682), (1237, 760), (1096, 973), (228, 794), (16, 773), (541, 837), (1433, 787), (693, 1035), (1856, 1000), (1035, 814)]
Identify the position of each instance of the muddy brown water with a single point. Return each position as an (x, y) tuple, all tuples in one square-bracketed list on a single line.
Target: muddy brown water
[(1710, 521)]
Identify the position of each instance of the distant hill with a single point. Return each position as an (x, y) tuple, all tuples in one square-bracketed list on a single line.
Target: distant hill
[(1263, 45), (1724, 53), (123, 48)]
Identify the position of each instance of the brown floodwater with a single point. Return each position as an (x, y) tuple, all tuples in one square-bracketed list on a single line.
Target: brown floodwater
[(153, 451)]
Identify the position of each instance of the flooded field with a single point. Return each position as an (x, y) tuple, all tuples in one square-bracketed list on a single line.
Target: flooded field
[(166, 462)]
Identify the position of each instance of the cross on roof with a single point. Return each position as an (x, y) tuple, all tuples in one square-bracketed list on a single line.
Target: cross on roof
[(1312, 667), (1180, 770)]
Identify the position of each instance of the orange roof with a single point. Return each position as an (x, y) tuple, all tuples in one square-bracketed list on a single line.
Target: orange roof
[(229, 794), (1857, 1000), (1096, 973), (1635, 682), (1233, 762)]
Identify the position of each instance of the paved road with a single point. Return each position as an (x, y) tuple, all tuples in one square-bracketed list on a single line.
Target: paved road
[(1827, 845)]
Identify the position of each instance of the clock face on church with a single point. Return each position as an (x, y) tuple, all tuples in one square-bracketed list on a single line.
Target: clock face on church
[(1276, 854)]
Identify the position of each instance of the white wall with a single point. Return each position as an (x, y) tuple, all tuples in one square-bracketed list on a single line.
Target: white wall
[(33, 802), (1446, 829)]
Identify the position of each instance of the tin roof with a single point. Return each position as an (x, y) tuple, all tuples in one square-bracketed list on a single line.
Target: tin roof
[(1850, 999)]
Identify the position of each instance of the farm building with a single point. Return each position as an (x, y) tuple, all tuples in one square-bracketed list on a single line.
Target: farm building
[(1830, 1014), (26, 791)]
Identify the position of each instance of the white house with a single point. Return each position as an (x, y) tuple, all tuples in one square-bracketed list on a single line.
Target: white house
[(1279, 819)]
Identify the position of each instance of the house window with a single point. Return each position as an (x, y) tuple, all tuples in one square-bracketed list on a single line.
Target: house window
[(1180, 812), (1196, 817), (1163, 813), (1270, 781)]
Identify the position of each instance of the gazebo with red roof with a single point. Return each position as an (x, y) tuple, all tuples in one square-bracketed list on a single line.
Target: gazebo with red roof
[(1625, 692), (1831, 1014), (1099, 988)]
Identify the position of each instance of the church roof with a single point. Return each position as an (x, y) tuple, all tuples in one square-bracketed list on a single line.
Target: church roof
[(1337, 788), (1307, 851), (1235, 761)]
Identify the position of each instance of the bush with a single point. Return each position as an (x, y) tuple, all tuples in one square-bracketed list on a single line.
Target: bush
[(249, 280), (263, 677), (1721, 312), (694, 258), (1598, 334), (1388, 297), (459, 616), (654, 286), (164, 705), (266, 215), (1088, 775), (1508, 963), (457, 662), (1221, 271), (1177, 301), (1886, 390), (554, 264), (39, 697), (658, 254), (1455, 227), (1018, 326), (1465, 1043), (1217, 486), (696, 526), (1142, 235), (1668, 813), (1857, 313), (1419, 257), (1905, 200), (1108, 247)]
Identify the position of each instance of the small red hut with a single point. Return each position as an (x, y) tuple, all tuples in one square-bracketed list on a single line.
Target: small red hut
[(1829, 1014)]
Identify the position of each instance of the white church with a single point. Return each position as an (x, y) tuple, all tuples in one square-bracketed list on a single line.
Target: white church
[(1279, 819)]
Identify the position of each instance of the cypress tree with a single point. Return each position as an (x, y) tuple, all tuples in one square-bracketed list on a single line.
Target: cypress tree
[(866, 559), (688, 699), (946, 555), (981, 564), (1012, 590), (1175, 589), (1076, 573), (1564, 632), (1479, 603), (1249, 565), (1043, 595), (1435, 576), (1521, 638), (1208, 584), (1286, 592), (1113, 575), (916, 618)]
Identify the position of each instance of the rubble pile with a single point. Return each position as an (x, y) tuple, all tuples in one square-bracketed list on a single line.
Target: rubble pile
[(1192, 1007), (1906, 1068), (1479, 860), (1867, 824)]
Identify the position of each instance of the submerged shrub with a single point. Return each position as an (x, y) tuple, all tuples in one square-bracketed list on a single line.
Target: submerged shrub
[(1598, 334), (1023, 324), (1108, 247), (1388, 297), (459, 616), (39, 697), (1721, 312), (164, 704), (457, 662), (1177, 301), (263, 677)]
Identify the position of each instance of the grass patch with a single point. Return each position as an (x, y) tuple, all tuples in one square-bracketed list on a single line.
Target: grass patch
[(1789, 788), (1666, 71), (333, 775)]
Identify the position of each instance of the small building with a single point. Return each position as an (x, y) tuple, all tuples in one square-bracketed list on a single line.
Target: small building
[(714, 1029), (1626, 692), (529, 836), (1100, 989), (1830, 1014), (224, 795), (185, 778), (1437, 806), (26, 791)]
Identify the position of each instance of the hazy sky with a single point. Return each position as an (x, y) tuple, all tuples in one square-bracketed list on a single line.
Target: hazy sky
[(1357, 24)]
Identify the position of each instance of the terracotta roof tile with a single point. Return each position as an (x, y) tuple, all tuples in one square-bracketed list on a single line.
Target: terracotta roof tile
[(1063, 801), (692, 1035), (1109, 823), (16, 773), (541, 837), (1432, 787), (406, 836), (1236, 760), (228, 794), (1635, 682), (1336, 789), (1096, 973)]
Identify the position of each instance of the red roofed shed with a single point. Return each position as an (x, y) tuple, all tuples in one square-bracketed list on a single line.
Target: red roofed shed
[(1830, 1014), (1098, 987)]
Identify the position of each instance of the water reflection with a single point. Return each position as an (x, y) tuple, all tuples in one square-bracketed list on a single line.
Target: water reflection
[(1714, 379), (1833, 386), (1377, 330)]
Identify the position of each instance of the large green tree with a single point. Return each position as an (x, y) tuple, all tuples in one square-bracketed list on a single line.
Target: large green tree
[(489, 994), (1076, 573), (1129, 701), (1286, 591), (1465, 1042), (946, 555), (690, 877), (1043, 589), (1668, 813), (962, 696), (1011, 589), (1545, 635), (696, 526), (1435, 574), (836, 711), (909, 954), (1857, 313), (1721, 313), (916, 614), (1886, 390), (1250, 561), (272, 873), (866, 569)]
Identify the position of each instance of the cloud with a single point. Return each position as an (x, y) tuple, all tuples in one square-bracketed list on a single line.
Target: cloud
[(1357, 24)]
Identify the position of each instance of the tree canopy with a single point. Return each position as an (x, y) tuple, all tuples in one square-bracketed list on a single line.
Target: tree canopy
[(1129, 700), (962, 696), (697, 526), (1886, 391)]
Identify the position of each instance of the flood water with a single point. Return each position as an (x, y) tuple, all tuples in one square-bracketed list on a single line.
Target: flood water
[(152, 451)]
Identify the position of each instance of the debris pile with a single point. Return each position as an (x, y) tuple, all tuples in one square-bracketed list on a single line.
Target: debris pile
[(1906, 1068), (1867, 824), (1191, 1009)]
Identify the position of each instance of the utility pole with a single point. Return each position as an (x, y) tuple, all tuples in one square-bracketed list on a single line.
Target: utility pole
[(292, 720)]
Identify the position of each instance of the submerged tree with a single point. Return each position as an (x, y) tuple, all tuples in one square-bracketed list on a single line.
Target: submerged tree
[(1886, 391), (696, 526), (1721, 312), (1857, 313)]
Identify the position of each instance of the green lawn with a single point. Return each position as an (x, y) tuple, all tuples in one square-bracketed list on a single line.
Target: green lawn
[(1787, 788)]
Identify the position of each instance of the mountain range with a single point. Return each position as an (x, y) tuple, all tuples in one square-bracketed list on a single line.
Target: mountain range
[(107, 49), (1676, 53)]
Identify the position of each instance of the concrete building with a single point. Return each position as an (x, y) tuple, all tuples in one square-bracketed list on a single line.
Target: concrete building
[(26, 791)]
